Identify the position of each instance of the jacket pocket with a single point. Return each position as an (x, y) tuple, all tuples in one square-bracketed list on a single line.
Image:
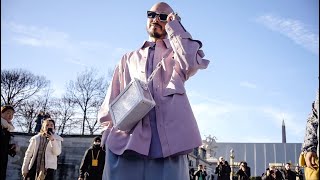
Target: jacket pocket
[(174, 86)]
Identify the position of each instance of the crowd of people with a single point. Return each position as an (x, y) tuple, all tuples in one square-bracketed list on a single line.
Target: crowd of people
[(156, 147), (41, 157), (243, 172)]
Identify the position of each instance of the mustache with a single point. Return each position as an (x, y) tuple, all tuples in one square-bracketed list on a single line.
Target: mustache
[(156, 24)]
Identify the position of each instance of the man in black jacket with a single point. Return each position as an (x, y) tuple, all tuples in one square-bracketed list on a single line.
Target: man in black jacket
[(6, 148), (288, 173), (92, 164)]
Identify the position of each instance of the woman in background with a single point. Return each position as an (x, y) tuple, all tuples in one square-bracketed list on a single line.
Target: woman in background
[(40, 161)]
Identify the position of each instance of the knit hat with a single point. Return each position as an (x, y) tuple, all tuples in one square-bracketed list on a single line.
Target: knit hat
[(97, 139), (6, 107)]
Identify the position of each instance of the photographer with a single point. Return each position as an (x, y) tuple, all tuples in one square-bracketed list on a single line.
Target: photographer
[(275, 174), (40, 161), (200, 174), (223, 169), (244, 171)]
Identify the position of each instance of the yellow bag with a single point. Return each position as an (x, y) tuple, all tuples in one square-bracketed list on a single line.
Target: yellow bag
[(309, 173)]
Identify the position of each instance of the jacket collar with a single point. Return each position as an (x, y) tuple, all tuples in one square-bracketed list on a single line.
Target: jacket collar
[(149, 44), (6, 125)]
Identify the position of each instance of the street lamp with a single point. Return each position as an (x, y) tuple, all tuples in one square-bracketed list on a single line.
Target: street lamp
[(231, 162)]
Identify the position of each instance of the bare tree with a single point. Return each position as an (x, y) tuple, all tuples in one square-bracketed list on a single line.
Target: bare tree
[(65, 112), (88, 92), (18, 85), (28, 110), (46, 100)]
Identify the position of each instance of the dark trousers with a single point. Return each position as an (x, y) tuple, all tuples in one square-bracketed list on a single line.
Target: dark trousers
[(3, 166), (32, 174)]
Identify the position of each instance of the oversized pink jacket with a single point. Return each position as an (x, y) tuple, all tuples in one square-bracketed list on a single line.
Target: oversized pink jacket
[(176, 124)]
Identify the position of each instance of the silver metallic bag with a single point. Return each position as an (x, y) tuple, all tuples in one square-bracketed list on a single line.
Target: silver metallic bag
[(132, 104)]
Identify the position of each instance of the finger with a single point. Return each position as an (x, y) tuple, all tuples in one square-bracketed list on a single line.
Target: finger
[(313, 160), (308, 163)]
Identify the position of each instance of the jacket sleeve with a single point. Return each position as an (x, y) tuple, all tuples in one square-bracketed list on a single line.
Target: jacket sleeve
[(238, 172), (197, 173), (228, 169), (113, 91), (56, 145), (311, 137), (28, 155), (248, 171), (85, 163), (217, 170), (187, 53)]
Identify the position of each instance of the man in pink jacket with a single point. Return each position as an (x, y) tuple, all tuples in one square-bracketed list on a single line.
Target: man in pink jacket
[(157, 146)]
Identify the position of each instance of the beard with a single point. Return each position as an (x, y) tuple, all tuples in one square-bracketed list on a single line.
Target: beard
[(153, 32)]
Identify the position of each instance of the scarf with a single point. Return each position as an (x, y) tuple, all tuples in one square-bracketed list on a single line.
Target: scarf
[(6, 125), (41, 170)]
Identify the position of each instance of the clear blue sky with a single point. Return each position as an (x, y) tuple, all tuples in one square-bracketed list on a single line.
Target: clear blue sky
[(264, 55)]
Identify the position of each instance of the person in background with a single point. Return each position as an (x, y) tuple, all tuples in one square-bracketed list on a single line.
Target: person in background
[(40, 160), (266, 174), (310, 146), (288, 173), (6, 147), (92, 164), (276, 173), (299, 173), (156, 147), (40, 117), (200, 174), (244, 171), (191, 174), (223, 169)]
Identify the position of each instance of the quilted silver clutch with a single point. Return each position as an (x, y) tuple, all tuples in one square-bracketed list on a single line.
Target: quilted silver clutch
[(131, 105)]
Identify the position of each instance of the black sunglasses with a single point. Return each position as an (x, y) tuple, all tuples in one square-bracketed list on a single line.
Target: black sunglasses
[(162, 17)]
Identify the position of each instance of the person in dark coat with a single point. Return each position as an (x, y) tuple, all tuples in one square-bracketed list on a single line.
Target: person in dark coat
[(299, 173), (272, 173), (288, 173), (40, 117), (244, 171), (92, 164), (191, 174), (6, 147), (223, 169)]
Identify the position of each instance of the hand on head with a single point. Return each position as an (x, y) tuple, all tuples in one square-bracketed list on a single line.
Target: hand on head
[(173, 16)]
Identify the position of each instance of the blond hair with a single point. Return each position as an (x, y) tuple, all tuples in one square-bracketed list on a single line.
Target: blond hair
[(44, 125)]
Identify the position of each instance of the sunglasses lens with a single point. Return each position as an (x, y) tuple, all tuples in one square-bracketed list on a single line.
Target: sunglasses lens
[(151, 14), (163, 17)]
